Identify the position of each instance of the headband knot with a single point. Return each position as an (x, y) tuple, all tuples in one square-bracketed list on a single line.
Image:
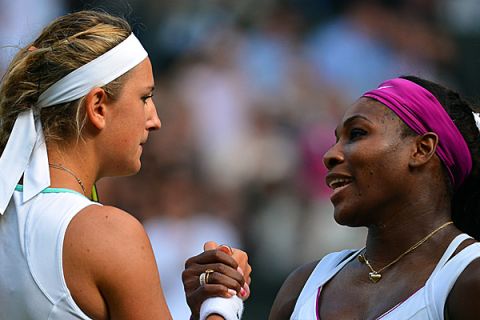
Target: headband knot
[(25, 152), (420, 110)]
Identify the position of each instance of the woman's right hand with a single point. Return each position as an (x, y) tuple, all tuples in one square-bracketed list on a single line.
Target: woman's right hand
[(230, 276)]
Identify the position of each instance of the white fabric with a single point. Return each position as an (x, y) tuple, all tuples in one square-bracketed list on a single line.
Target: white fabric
[(229, 309), (476, 116), (97, 73), (25, 152), (428, 303), (32, 285)]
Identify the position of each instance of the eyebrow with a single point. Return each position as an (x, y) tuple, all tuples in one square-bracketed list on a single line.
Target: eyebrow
[(355, 117), (352, 119)]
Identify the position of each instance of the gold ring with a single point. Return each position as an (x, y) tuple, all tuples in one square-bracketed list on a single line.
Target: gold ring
[(207, 274), (203, 279)]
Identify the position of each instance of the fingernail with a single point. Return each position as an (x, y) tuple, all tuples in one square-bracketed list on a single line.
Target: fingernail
[(243, 293), (226, 248), (247, 288), (232, 292), (240, 270)]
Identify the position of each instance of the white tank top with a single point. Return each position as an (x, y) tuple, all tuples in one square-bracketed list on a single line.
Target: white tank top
[(428, 303), (32, 285)]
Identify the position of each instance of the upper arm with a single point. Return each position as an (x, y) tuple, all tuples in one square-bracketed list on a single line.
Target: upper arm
[(113, 252), (462, 302), (288, 294)]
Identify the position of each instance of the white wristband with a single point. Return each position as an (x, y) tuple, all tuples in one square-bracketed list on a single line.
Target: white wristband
[(228, 308)]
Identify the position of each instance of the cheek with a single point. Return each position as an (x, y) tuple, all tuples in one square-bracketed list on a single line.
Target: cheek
[(374, 165), (384, 172), (135, 120), (140, 116)]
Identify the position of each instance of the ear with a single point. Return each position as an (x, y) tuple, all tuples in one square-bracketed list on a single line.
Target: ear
[(95, 107), (424, 149)]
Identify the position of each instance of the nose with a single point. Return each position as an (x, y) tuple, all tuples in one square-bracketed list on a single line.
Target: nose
[(153, 121), (333, 156)]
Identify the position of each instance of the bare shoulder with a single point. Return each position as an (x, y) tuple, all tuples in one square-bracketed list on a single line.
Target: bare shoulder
[(462, 302), (96, 220), (288, 294), (109, 249), (98, 232)]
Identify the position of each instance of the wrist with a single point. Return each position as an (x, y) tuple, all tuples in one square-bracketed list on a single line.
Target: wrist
[(228, 308)]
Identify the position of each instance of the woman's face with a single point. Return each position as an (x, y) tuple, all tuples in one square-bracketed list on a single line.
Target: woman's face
[(133, 116), (367, 163)]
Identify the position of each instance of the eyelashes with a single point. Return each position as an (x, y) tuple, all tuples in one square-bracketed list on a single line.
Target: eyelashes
[(356, 133), (145, 98), (353, 135)]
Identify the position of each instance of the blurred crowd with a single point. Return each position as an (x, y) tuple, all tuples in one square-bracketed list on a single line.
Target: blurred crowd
[(249, 93)]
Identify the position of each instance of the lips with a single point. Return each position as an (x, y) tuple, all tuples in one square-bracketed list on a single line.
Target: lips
[(336, 181)]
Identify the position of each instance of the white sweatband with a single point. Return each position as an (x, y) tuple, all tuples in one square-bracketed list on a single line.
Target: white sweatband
[(228, 308), (25, 152)]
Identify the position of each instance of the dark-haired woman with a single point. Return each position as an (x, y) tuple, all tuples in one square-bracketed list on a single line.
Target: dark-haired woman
[(405, 165)]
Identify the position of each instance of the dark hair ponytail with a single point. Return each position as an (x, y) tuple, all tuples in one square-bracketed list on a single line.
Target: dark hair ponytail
[(465, 200)]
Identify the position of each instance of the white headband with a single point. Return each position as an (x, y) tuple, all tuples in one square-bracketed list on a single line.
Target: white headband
[(26, 152)]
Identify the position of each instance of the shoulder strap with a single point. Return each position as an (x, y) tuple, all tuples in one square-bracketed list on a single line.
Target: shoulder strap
[(439, 285), (450, 250), (45, 229), (325, 269)]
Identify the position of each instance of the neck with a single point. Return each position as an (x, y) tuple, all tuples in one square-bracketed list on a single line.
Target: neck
[(403, 228), (71, 169)]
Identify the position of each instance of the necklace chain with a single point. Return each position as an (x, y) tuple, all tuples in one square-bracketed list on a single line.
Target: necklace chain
[(375, 275), (61, 167)]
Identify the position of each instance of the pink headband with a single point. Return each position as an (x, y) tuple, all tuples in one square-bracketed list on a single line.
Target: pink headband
[(422, 112)]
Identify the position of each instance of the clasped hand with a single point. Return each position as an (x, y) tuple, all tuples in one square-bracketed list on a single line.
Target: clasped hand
[(228, 274)]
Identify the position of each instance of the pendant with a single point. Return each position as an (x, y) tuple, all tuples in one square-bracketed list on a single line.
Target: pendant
[(374, 276), (361, 258)]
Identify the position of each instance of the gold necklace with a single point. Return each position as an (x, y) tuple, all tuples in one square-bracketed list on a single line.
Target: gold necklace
[(60, 167), (375, 275)]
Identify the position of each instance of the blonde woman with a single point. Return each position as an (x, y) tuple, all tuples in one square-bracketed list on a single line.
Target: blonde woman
[(75, 106)]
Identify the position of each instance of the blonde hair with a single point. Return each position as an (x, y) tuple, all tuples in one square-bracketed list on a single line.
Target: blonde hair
[(63, 46)]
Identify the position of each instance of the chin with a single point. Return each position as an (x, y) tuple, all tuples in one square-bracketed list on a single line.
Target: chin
[(346, 216), (135, 169), (130, 170)]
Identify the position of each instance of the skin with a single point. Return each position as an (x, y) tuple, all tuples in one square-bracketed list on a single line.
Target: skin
[(214, 258), (108, 261), (398, 192)]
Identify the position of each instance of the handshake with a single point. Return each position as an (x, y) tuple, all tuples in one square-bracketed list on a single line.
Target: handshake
[(217, 282)]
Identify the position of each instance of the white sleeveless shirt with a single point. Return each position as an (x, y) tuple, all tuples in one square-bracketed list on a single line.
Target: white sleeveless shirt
[(32, 285), (428, 303)]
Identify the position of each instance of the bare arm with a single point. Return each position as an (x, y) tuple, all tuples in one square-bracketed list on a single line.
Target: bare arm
[(288, 294), (110, 268), (462, 302)]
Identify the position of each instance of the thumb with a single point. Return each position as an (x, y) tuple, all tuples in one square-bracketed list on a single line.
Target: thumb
[(210, 245)]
